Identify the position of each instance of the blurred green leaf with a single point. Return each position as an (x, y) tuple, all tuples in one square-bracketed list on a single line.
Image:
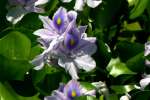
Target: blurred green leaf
[(13, 69), (87, 85), (7, 93), (135, 26), (36, 50), (85, 98), (127, 50), (138, 9), (47, 79), (15, 46), (136, 63), (113, 97), (30, 21), (141, 95), (106, 14), (119, 89), (116, 68)]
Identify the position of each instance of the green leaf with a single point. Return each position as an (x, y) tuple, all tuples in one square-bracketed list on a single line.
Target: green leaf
[(119, 89), (15, 46), (127, 50), (106, 14), (113, 97), (30, 21), (7, 93), (138, 9), (47, 79), (141, 95), (136, 63), (135, 26), (85, 98), (36, 50), (87, 85), (116, 68), (13, 69)]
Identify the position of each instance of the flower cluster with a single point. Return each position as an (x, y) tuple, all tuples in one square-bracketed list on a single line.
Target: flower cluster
[(69, 91), (18, 8), (65, 44)]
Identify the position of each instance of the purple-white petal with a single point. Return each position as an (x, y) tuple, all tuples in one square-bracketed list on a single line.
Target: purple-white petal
[(89, 92), (60, 20), (47, 23), (29, 2), (56, 96), (72, 15), (44, 42), (52, 98), (147, 49), (86, 47), (38, 61), (85, 62), (144, 82), (41, 2), (147, 52), (66, 1), (46, 34), (16, 2), (93, 3), (34, 9), (15, 14), (69, 67), (82, 29), (72, 86), (79, 4)]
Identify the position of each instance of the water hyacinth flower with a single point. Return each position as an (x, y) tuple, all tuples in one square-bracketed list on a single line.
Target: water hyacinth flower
[(55, 27), (76, 51), (147, 52), (18, 8), (79, 4), (65, 43), (69, 91), (73, 51)]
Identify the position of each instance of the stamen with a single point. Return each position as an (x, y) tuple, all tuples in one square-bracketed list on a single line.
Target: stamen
[(73, 94), (59, 21), (72, 42)]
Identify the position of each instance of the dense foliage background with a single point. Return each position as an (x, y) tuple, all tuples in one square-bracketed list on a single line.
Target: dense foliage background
[(121, 28)]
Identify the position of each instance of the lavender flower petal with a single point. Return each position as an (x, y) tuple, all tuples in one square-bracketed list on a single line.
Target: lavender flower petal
[(86, 47), (38, 61), (79, 5), (85, 62), (60, 19), (66, 1), (45, 34), (41, 2), (93, 3), (72, 15), (69, 66), (16, 14), (144, 82), (82, 29), (147, 52), (34, 9), (56, 96), (47, 23)]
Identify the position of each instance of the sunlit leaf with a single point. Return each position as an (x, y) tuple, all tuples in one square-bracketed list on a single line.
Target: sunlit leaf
[(15, 46), (122, 89), (116, 68)]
